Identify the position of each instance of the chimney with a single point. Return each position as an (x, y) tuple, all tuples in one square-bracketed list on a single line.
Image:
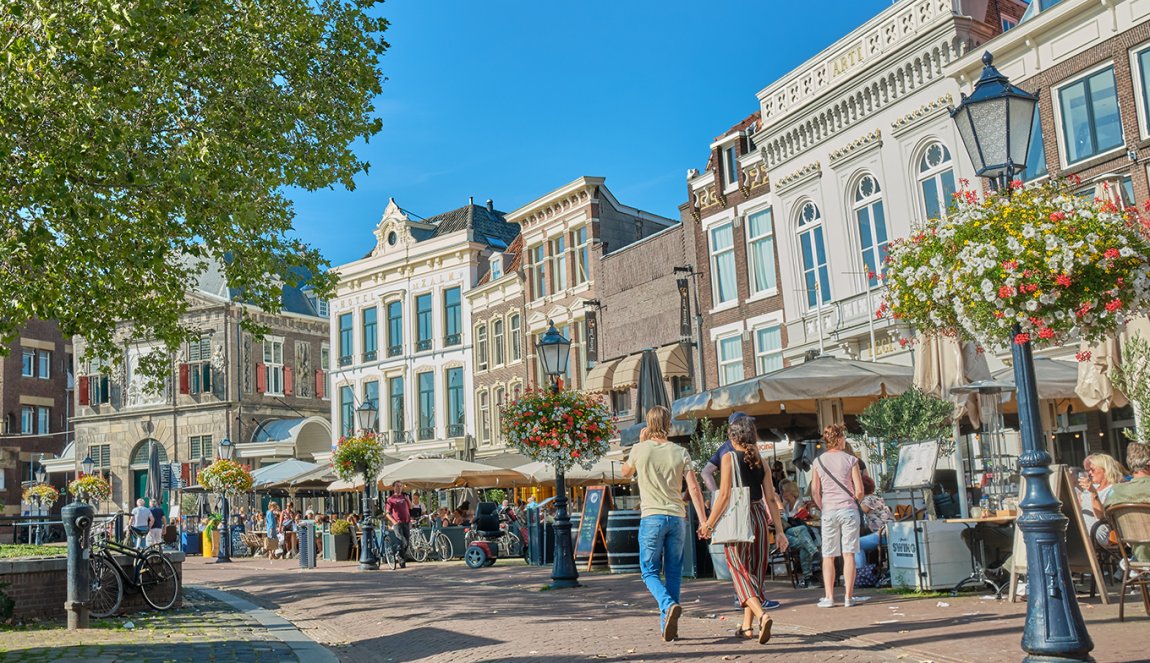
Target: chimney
[(490, 205), (471, 200)]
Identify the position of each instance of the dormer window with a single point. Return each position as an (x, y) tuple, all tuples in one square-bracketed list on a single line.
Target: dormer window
[(730, 167), (496, 266)]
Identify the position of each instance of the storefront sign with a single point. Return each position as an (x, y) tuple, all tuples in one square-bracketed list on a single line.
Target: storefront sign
[(684, 309), (592, 321)]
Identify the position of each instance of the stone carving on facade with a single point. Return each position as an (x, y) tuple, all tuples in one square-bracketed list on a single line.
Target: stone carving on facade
[(856, 146), (922, 113), (557, 207), (811, 170), (246, 361), (706, 197), (304, 380), (754, 176), (137, 392)]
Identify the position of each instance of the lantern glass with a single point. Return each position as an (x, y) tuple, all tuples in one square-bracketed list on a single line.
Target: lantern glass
[(555, 352), (365, 415), (227, 449), (88, 464), (995, 122)]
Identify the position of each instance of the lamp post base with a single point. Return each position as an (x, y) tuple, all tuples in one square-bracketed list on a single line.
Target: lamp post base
[(563, 574), (223, 554), (367, 559)]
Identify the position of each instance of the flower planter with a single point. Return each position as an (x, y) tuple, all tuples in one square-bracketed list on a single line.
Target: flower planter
[(340, 546)]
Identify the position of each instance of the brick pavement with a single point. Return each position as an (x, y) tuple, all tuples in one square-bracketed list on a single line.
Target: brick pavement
[(448, 613), (202, 630)]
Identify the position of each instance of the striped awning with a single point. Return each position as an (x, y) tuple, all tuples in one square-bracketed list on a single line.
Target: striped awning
[(626, 372), (673, 361), (599, 378)]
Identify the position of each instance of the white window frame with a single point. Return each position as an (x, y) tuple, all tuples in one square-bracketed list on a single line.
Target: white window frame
[(515, 337), (537, 260), (730, 362), (557, 248), (44, 364), (761, 354), (935, 173), (27, 420), (860, 201), (325, 366), (274, 365), (817, 230), (484, 432), (582, 248), (1056, 98), (200, 365), (1140, 94), (714, 256), (496, 266), (28, 363), (729, 158), (481, 355), (753, 241), (498, 349)]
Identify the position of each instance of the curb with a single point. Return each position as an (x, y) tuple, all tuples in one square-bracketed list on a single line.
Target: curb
[(302, 646)]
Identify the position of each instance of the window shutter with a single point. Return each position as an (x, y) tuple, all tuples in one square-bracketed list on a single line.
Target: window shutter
[(184, 379), (82, 388), (289, 388), (261, 379), (319, 384)]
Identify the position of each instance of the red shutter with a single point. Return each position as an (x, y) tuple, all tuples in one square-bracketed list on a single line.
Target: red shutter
[(82, 387), (184, 388), (289, 388), (261, 379), (320, 383)]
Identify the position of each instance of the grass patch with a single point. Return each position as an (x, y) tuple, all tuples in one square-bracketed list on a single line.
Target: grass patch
[(15, 550)]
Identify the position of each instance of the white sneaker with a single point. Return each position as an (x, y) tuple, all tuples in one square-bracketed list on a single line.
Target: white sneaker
[(826, 603), (848, 602)]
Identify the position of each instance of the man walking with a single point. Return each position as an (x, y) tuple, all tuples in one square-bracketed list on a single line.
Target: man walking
[(661, 467), (141, 523), (156, 532), (399, 516)]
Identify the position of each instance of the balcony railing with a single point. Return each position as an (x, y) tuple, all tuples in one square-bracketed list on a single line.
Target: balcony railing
[(455, 430), (399, 437), (453, 339), (423, 345), (345, 360), (394, 350), (369, 356), (427, 432)]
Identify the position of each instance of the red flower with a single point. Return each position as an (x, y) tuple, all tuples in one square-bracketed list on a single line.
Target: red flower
[(1057, 216), (999, 314), (1113, 305), (1062, 280), (1010, 264), (1022, 338), (1005, 292), (1046, 332), (1083, 356), (1111, 253)]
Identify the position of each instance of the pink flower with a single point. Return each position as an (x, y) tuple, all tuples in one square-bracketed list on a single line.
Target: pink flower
[(1022, 338), (1010, 264), (1113, 305), (1083, 356), (1057, 216), (1062, 280), (1005, 292), (1111, 253)]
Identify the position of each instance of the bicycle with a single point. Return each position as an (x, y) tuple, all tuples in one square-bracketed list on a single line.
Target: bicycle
[(388, 550), (422, 547), (152, 573)]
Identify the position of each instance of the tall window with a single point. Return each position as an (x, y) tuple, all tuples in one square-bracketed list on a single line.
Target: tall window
[(730, 167), (481, 347), (872, 228), (484, 417), (723, 263), (28, 365), (538, 271), (274, 365), (497, 413), (452, 317), (1035, 153), (621, 402), (423, 322), (816, 277), (768, 349), (761, 251), (99, 385), (455, 412), (370, 333), (426, 382), (497, 343), (395, 409), (730, 359), (27, 420), (43, 420), (394, 329), (101, 456), (371, 395), (515, 338), (582, 241), (199, 446), (1144, 81), (200, 365), (346, 411), (325, 367), (936, 179), (44, 364), (559, 263), (346, 339), (1090, 121)]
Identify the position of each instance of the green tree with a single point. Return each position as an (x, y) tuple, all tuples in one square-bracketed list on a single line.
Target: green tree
[(913, 416), (708, 436), (143, 139), (1133, 379)]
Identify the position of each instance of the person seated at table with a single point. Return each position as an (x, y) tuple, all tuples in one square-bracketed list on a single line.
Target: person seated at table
[(457, 518), (1102, 473), (1136, 490), (998, 540), (800, 536), (878, 515)]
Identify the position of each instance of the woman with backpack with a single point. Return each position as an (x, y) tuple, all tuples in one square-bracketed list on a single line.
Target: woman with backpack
[(837, 488)]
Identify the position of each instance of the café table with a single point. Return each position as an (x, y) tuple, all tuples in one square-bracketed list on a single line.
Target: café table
[(978, 563)]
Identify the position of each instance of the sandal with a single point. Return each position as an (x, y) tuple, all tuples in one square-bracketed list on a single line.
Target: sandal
[(745, 633), (765, 629)]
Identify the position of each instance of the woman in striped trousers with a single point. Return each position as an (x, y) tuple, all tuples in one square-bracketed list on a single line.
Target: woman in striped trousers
[(748, 561)]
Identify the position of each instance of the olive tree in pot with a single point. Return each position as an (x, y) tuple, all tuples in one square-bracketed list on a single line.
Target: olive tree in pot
[(913, 416), (1132, 378)]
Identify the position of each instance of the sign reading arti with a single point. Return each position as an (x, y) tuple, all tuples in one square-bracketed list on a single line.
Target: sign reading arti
[(847, 61)]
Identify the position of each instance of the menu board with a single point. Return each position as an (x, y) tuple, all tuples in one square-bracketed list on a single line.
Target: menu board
[(595, 507), (915, 466)]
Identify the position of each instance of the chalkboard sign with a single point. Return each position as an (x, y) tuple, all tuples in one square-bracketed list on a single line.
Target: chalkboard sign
[(596, 504), (916, 464)]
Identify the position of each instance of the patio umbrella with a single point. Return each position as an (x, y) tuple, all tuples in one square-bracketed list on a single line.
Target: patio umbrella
[(153, 490), (603, 471), (944, 363), (1094, 386), (434, 473), (1057, 382), (652, 392)]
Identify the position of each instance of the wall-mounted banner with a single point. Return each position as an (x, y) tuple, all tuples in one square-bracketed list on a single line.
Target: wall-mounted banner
[(592, 322), (684, 309)]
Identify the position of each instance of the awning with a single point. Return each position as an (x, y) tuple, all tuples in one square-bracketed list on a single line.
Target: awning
[(507, 459), (673, 361), (281, 472), (64, 464), (599, 378), (303, 437), (679, 428), (626, 372)]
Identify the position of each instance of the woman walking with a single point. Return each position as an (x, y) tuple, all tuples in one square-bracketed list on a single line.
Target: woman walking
[(837, 487), (748, 560)]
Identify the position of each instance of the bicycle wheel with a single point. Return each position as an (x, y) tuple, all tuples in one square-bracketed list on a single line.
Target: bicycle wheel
[(158, 581), (390, 553), (106, 588), (443, 548), (420, 548)]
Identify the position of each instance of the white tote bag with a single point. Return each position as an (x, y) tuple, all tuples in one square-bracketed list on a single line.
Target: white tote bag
[(734, 525)]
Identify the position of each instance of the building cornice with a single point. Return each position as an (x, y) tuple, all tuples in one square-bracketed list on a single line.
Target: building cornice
[(923, 113), (864, 144), (805, 174)]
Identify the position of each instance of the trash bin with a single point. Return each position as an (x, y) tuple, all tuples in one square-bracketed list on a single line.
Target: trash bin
[(306, 531), (534, 537)]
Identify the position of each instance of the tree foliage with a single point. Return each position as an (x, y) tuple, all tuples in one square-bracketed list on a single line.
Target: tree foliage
[(913, 416), (706, 439), (142, 139), (1133, 379)]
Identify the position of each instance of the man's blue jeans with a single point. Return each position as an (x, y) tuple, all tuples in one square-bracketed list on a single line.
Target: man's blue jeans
[(661, 550)]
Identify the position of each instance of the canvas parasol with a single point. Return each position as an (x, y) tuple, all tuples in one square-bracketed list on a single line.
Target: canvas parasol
[(435, 473)]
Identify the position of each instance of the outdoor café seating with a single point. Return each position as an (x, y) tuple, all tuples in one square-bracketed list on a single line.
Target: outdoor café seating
[(1132, 523)]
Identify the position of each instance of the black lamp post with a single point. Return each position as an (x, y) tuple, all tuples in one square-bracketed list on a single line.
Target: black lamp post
[(995, 123), (365, 416), (87, 465), (227, 451), (555, 351), (41, 478)]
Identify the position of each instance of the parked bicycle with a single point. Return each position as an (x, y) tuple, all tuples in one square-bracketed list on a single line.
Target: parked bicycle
[(422, 547), (152, 574)]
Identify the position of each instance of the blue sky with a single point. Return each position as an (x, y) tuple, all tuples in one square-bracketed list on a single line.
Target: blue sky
[(509, 99)]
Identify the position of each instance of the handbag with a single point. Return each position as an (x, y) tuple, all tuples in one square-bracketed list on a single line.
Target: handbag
[(858, 505), (734, 525)]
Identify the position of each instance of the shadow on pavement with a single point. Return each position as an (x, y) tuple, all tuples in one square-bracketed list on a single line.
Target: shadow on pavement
[(425, 643)]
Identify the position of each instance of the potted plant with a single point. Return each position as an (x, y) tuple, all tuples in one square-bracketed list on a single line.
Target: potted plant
[(90, 488), (1133, 379), (340, 534), (913, 416)]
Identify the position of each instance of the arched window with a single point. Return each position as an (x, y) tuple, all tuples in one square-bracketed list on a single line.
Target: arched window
[(936, 179), (140, 455), (872, 227), (816, 278)]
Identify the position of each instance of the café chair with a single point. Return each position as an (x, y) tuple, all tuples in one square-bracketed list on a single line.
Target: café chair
[(1132, 524)]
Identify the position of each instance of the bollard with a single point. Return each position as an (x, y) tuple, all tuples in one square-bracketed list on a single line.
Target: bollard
[(77, 518)]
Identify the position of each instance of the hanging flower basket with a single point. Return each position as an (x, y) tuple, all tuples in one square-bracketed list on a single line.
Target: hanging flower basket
[(560, 429), (47, 495), (1045, 265), (91, 488), (357, 455), (226, 477)]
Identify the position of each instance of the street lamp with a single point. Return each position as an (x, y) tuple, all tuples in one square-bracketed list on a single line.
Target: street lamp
[(554, 350), (995, 122), (41, 471), (368, 561), (88, 464), (227, 451)]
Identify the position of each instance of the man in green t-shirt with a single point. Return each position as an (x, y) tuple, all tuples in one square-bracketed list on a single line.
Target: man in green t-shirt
[(1136, 490), (662, 466)]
